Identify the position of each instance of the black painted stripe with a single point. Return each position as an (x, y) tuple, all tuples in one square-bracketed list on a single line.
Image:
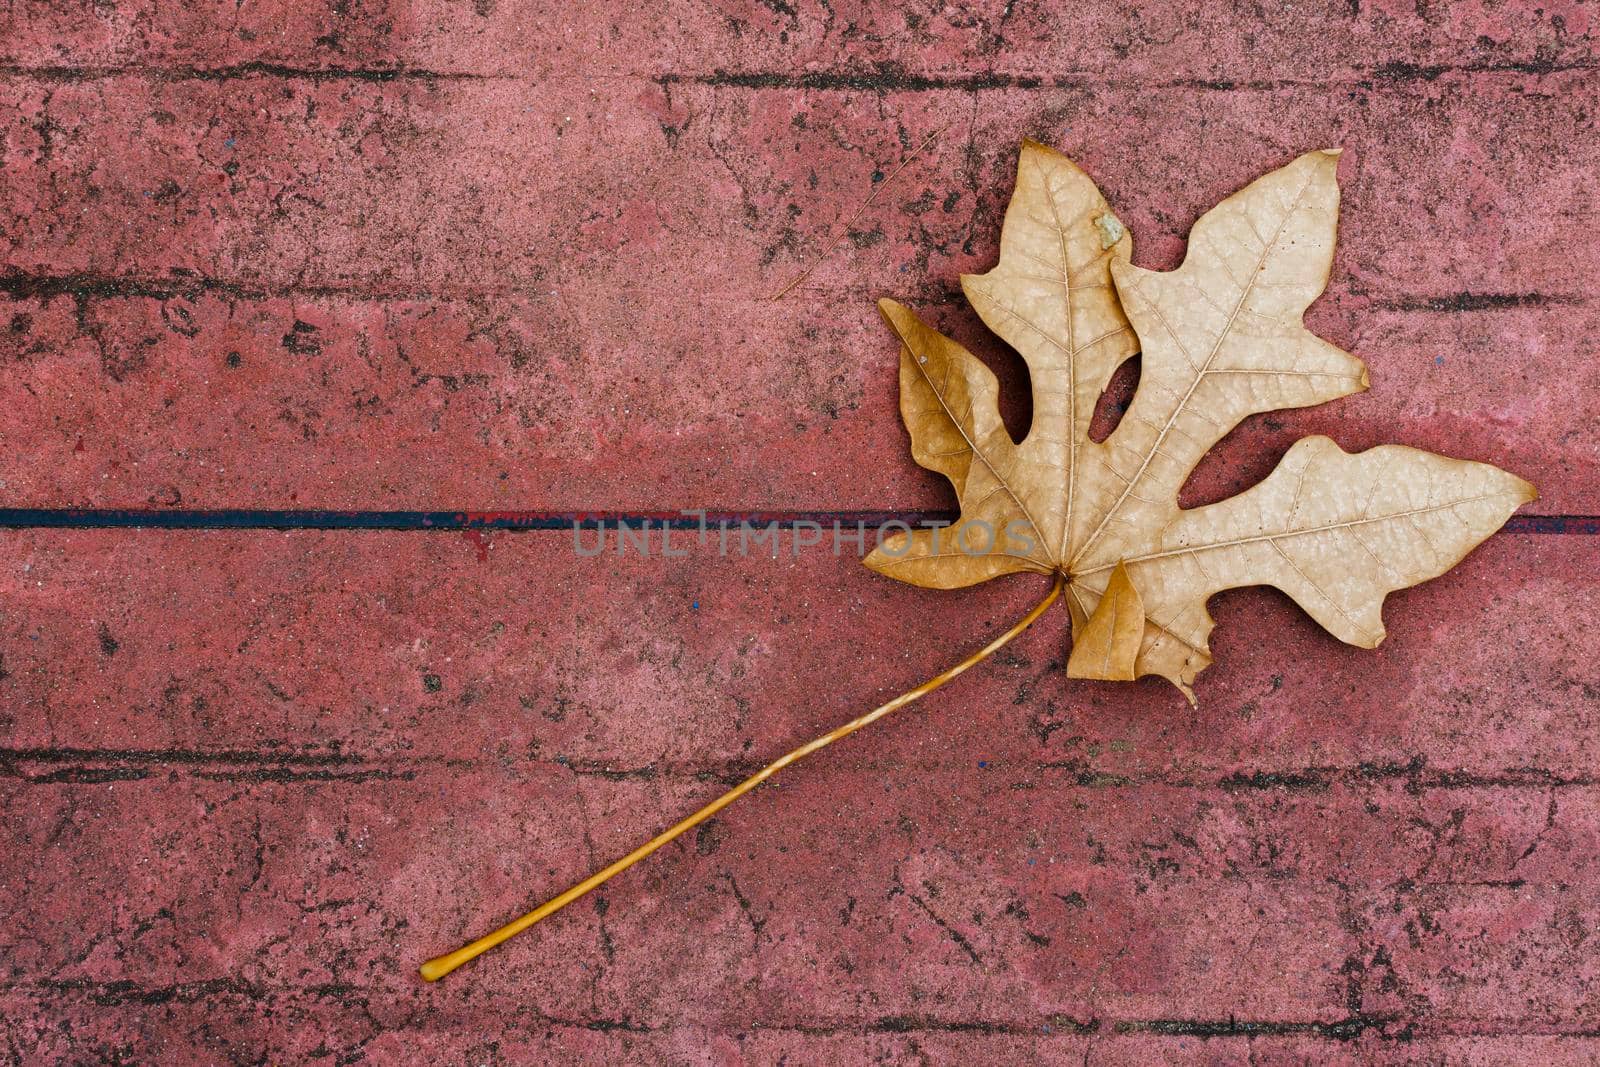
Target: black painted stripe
[(277, 519)]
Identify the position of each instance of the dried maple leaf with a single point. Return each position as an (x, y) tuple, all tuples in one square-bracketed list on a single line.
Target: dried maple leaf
[(1221, 338)]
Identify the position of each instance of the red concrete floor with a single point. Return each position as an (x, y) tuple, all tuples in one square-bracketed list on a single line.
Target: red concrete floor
[(516, 255)]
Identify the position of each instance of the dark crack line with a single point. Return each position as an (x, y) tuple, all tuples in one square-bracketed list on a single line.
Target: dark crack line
[(889, 78), (257, 69), (84, 288), (881, 79), (1348, 1029), (94, 286), (191, 285), (1414, 773), (1459, 302), (88, 765), (1386, 1027), (175, 756)]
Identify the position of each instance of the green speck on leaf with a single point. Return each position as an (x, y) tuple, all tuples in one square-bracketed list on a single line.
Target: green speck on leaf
[(1111, 229)]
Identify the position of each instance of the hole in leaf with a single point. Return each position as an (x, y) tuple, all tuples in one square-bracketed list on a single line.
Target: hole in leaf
[(1245, 455), (1016, 396), (1113, 403)]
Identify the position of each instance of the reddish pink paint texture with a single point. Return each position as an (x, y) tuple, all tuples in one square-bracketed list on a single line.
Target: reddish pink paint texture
[(516, 255)]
